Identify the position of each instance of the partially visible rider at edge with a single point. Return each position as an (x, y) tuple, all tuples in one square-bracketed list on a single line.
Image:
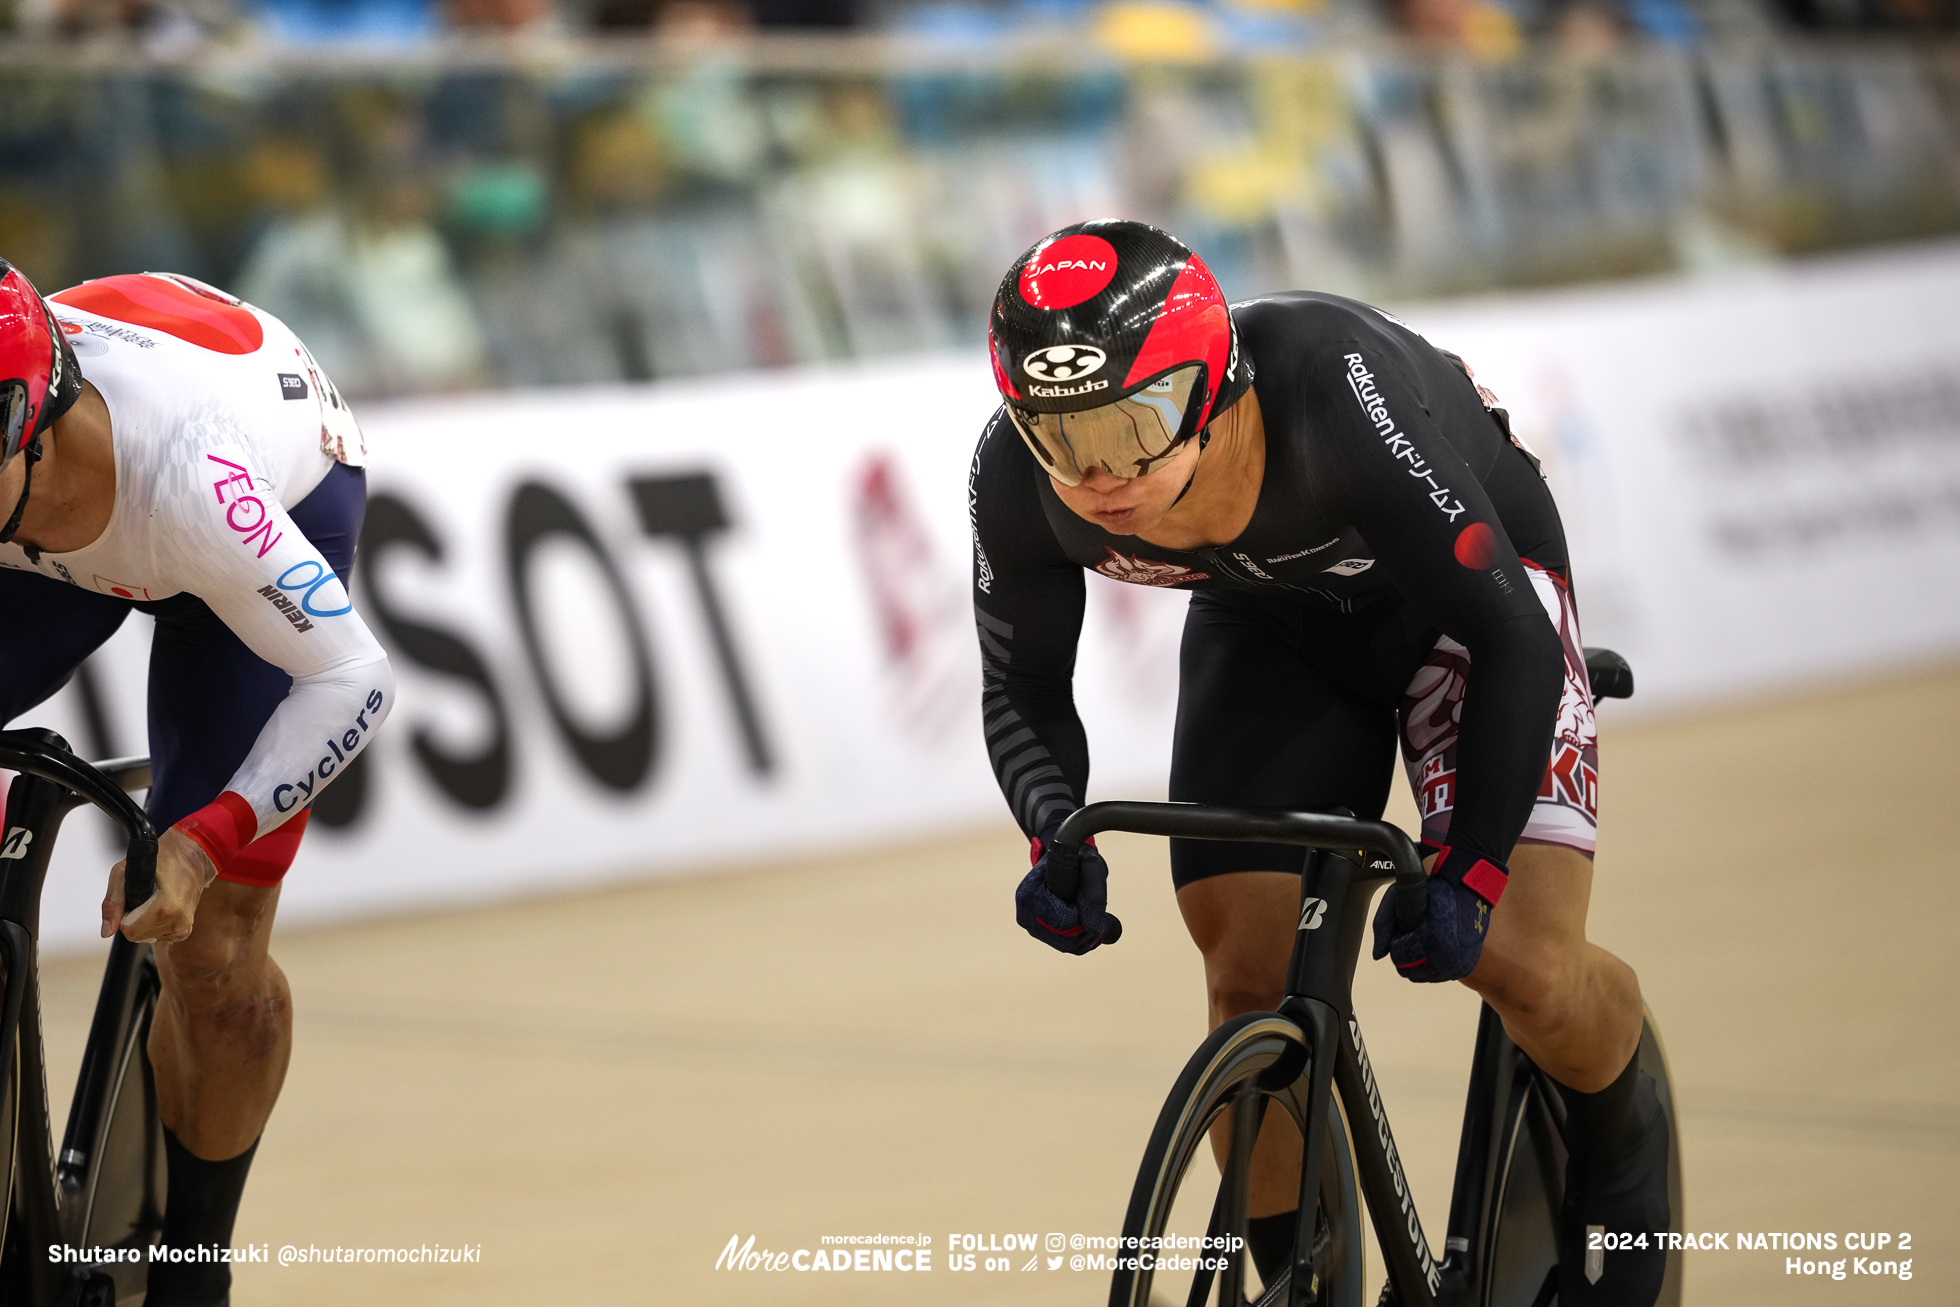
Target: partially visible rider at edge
[(1373, 559), (166, 448)]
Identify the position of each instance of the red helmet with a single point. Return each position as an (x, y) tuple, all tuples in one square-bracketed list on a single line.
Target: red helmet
[(39, 380), (1112, 345)]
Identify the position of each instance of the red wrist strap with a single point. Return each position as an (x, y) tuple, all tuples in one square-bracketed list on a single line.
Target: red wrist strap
[(222, 827), (1036, 848), (1483, 877)]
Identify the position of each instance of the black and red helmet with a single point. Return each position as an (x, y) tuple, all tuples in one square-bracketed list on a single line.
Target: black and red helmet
[(1119, 320), (39, 380)]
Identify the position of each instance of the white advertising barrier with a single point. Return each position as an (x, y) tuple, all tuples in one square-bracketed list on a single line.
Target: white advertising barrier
[(663, 628), (1760, 477), (679, 626)]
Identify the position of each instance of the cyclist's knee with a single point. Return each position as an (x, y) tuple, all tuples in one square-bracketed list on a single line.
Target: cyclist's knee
[(1534, 994), (227, 943), (1535, 981), (248, 1008), (227, 985), (1243, 924)]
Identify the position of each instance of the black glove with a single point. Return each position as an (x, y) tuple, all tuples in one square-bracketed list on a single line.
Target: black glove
[(1449, 937), (1073, 926)]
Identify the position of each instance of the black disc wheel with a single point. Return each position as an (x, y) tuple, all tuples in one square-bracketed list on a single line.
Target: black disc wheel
[(1522, 1250), (1653, 1060), (1184, 1235)]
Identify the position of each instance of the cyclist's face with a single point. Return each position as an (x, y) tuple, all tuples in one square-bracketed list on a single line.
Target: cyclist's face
[(1130, 505)]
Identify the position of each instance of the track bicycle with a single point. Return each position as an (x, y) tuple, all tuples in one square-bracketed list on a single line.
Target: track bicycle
[(1307, 1066), (103, 1193)]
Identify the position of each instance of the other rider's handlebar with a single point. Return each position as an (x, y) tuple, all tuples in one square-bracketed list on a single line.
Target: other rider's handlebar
[(1313, 830), (33, 753)]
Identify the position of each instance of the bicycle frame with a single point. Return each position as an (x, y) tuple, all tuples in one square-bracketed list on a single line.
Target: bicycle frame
[(1335, 896), (50, 1190)]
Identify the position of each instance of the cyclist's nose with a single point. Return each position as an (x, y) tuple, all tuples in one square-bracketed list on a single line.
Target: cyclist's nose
[(1102, 480)]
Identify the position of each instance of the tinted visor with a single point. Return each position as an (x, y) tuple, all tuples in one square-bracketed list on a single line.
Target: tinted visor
[(1124, 438), (13, 417)]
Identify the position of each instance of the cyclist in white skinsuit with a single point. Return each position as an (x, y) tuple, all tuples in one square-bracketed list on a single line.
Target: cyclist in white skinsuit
[(207, 473)]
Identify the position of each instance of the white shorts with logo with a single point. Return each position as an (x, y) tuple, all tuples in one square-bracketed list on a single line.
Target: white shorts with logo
[(1567, 810)]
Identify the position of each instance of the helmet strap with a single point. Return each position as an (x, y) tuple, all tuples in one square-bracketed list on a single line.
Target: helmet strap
[(32, 452), (1204, 438)]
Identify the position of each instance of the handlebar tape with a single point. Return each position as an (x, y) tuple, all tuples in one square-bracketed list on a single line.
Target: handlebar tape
[(1063, 875), (139, 873), (1411, 905)]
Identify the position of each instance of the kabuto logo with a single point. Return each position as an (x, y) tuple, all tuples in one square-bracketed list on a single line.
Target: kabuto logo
[(1063, 362)]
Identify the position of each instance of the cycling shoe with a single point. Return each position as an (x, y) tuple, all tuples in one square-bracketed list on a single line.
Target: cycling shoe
[(1619, 1203)]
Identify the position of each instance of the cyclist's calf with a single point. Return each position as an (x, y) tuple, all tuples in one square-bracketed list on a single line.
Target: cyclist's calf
[(1572, 1006), (245, 1006), (223, 1029)]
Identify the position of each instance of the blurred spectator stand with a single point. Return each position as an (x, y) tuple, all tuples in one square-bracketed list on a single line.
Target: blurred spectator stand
[(503, 192)]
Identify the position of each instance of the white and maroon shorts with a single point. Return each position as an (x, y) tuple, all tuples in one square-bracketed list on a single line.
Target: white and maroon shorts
[(1567, 810)]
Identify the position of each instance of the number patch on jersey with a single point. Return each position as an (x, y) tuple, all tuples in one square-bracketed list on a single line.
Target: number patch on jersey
[(340, 435)]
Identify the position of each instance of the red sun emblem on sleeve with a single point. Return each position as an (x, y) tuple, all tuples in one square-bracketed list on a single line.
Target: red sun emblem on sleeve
[(1476, 545)]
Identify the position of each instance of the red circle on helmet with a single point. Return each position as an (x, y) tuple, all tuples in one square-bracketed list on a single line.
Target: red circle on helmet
[(1068, 271)]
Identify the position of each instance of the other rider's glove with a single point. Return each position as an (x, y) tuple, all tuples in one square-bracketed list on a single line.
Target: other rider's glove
[(1448, 938), (1073, 926)]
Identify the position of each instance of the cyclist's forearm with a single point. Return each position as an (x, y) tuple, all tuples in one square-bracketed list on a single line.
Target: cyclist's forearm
[(1510, 709), (322, 725), (1036, 745)]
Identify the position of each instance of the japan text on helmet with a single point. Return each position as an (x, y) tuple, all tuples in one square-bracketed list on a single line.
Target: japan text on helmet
[(39, 380), (1112, 345)]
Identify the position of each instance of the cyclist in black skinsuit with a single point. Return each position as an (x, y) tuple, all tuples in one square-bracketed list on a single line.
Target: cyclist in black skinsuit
[(1373, 556)]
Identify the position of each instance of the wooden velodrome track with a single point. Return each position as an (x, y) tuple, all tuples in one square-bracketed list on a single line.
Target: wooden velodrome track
[(600, 1090)]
